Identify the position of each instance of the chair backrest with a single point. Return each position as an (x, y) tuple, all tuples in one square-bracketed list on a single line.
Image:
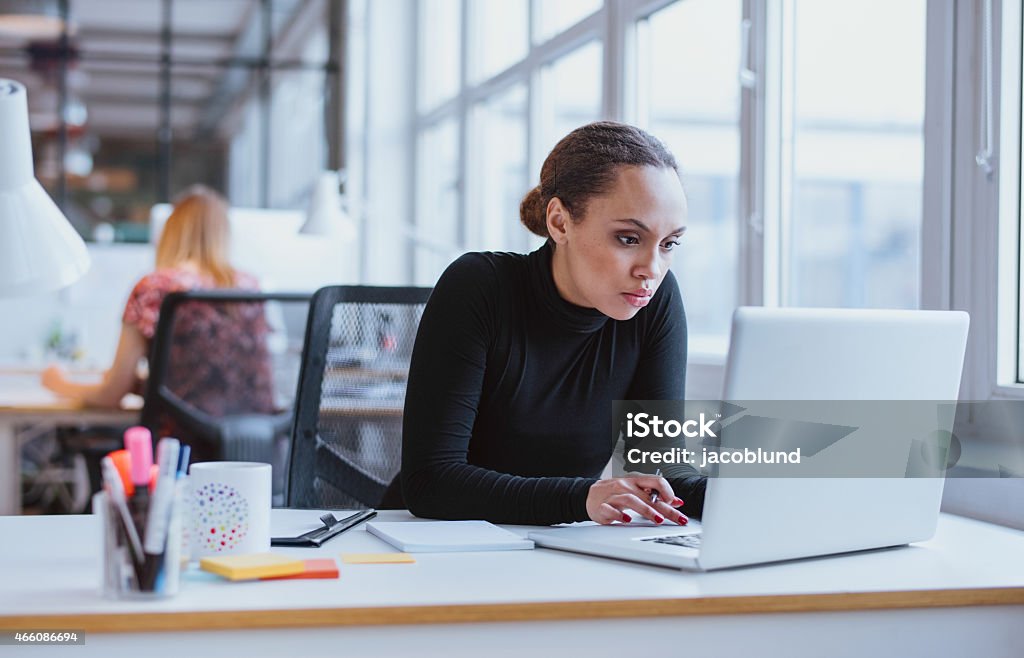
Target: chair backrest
[(347, 440), (223, 371)]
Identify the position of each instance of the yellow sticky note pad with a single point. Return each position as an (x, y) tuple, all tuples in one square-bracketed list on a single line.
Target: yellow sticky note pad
[(377, 558), (252, 566)]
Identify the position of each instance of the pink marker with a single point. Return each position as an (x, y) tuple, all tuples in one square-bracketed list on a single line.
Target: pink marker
[(139, 443)]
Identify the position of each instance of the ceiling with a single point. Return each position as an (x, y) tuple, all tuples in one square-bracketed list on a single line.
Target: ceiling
[(214, 47)]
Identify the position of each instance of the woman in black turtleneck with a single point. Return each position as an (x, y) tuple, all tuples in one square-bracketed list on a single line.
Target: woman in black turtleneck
[(519, 357)]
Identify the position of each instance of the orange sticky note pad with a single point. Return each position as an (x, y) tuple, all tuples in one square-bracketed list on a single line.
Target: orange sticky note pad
[(377, 558), (325, 568), (251, 566)]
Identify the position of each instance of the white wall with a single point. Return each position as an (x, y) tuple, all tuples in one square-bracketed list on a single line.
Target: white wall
[(91, 308), (264, 243)]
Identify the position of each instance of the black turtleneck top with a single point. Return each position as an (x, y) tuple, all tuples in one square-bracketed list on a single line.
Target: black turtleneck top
[(508, 414)]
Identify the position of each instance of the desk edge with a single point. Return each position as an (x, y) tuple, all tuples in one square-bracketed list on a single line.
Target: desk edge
[(483, 613)]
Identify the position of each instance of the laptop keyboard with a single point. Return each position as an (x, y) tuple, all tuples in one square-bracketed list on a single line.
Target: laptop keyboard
[(686, 541)]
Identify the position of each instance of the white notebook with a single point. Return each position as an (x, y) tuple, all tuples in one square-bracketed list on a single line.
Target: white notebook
[(447, 536)]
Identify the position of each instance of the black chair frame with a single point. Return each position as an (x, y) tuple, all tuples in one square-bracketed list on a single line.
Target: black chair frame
[(160, 399), (320, 461)]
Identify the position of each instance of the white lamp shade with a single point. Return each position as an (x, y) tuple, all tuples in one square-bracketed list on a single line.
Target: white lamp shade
[(39, 249), (325, 216)]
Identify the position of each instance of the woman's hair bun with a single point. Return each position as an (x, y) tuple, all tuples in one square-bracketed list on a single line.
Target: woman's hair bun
[(533, 213)]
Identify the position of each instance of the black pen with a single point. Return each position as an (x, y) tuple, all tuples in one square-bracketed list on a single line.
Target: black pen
[(654, 493)]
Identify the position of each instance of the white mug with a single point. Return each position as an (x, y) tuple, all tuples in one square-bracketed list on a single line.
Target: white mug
[(230, 508)]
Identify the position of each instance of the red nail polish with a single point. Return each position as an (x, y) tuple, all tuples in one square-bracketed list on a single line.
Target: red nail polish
[(683, 520), (626, 518), (677, 502), (659, 519)]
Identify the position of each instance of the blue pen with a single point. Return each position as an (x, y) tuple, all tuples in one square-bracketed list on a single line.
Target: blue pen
[(154, 543), (170, 566), (185, 452)]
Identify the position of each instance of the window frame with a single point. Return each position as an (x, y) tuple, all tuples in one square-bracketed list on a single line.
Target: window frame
[(526, 71), (950, 241)]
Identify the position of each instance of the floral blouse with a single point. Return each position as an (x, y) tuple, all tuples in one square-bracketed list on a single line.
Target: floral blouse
[(219, 361)]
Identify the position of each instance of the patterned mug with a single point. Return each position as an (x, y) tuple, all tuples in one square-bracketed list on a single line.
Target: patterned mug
[(230, 508)]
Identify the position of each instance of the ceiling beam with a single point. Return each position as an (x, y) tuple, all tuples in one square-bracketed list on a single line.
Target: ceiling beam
[(101, 100), (180, 38)]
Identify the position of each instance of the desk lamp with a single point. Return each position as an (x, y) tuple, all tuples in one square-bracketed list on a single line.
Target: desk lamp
[(326, 216), (39, 249)]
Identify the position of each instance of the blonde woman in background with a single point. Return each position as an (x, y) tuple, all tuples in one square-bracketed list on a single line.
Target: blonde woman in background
[(192, 255)]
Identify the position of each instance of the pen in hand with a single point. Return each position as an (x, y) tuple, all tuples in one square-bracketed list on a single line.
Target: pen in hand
[(683, 520), (654, 493)]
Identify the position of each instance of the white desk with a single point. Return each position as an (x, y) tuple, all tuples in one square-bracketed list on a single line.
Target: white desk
[(962, 592), (24, 401)]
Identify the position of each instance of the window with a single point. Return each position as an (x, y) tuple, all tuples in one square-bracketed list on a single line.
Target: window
[(554, 17), (571, 89), (804, 171), (688, 56), (499, 35), (437, 198), (479, 143), (440, 25), (498, 177), (799, 128), (854, 231)]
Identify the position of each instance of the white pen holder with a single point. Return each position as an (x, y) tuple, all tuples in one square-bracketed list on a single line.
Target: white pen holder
[(129, 571)]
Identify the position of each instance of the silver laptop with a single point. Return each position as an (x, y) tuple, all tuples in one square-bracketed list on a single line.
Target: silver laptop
[(805, 354)]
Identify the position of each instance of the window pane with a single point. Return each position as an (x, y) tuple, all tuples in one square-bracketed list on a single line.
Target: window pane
[(498, 176), (571, 93), (440, 33), (689, 98), (297, 142), (858, 154), (553, 17), (437, 201), (300, 29), (245, 155), (499, 35)]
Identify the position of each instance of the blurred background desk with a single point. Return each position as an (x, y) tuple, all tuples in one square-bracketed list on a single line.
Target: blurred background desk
[(27, 408)]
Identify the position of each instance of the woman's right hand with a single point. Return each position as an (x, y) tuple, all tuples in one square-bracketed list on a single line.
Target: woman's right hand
[(608, 500), (54, 379)]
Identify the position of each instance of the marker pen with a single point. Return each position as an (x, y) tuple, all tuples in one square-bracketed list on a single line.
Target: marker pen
[(159, 517), (115, 489), (123, 462), (139, 443)]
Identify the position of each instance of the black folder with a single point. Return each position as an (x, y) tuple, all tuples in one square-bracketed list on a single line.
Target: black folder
[(332, 527)]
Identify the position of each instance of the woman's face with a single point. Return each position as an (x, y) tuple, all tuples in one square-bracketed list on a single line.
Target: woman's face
[(615, 258)]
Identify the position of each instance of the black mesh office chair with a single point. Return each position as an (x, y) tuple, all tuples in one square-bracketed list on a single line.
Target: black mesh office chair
[(223, 372), (347, 441)]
